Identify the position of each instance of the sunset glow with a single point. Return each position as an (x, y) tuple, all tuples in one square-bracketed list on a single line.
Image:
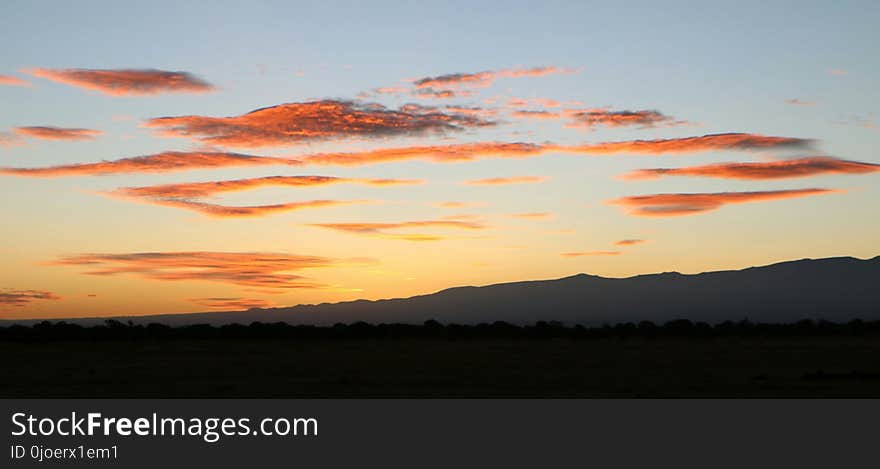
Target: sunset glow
[(221, 160)]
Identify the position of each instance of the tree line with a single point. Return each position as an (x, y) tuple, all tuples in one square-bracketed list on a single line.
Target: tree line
[(117, 330)]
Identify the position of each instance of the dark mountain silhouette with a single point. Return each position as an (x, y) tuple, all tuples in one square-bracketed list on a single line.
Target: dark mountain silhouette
[(835, 289)]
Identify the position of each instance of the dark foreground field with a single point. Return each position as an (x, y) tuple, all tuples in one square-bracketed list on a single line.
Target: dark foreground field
[(517, 364)]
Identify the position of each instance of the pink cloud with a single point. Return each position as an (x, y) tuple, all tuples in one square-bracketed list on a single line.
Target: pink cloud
[(783, 169), (486, 78), (590, 253), (58, 133), (497, 181), (158, 163), (671, 205), (263, 270), (9, 80), (125, 82)]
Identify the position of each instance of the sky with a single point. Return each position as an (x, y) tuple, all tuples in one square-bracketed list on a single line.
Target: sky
[(161, 157)]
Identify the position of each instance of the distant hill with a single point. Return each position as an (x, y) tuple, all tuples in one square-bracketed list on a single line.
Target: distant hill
[(836, 289)]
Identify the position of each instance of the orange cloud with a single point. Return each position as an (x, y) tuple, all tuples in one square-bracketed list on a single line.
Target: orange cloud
[(126, 82), (9, 80), (785, 169), (18, 298), (245, 269), (376, 227), (210, 188), (798, 102), (533, 72), (536, 114), (462, 216), (480, 79), (712, 142), (533, 215), (544, 102), (602, 117), (180, 161), (157, 163), (438, 153), (474, 111), (629, 242), (670, 205), (506, 180), (482, 112), (231, 303), (390, 90), (8, 139), (457, 204), (227, 211), (380, 229), (431, 93), (186, 195), (590, 253), (474, 151), (484, 79), (294, 123), (58, 133), (415, 237), (589, 118)]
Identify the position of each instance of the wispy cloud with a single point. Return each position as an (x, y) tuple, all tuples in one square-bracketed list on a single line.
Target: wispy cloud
[(670, 205), (418, 93), (784, 169), (463, 216), (590, 118), (9, 80), (711, 142), (263, 270), (210, 188), (437, 153), (472, 110), (186, 195), (125, 82), (533, 215), (229, 211), (629, 242), (390, 90), (381, 229), (498, 181), (484, 79), (457, 204), (224, 303), (157, 163), (527, 114), (181, 161), (542, 102), (294, 123), (17, 298), (602, 117), (474, 151), (590, 253), (799, 102), (58, 133), (431, 93), (9, 139)]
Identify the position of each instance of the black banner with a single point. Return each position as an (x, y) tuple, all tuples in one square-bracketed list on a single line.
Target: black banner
[(437, 433)]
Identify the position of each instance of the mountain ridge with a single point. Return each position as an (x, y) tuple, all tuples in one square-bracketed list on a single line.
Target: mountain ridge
[(834, 288)]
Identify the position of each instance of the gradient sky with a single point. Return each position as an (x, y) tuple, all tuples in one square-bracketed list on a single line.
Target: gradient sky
[(87, 83)]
